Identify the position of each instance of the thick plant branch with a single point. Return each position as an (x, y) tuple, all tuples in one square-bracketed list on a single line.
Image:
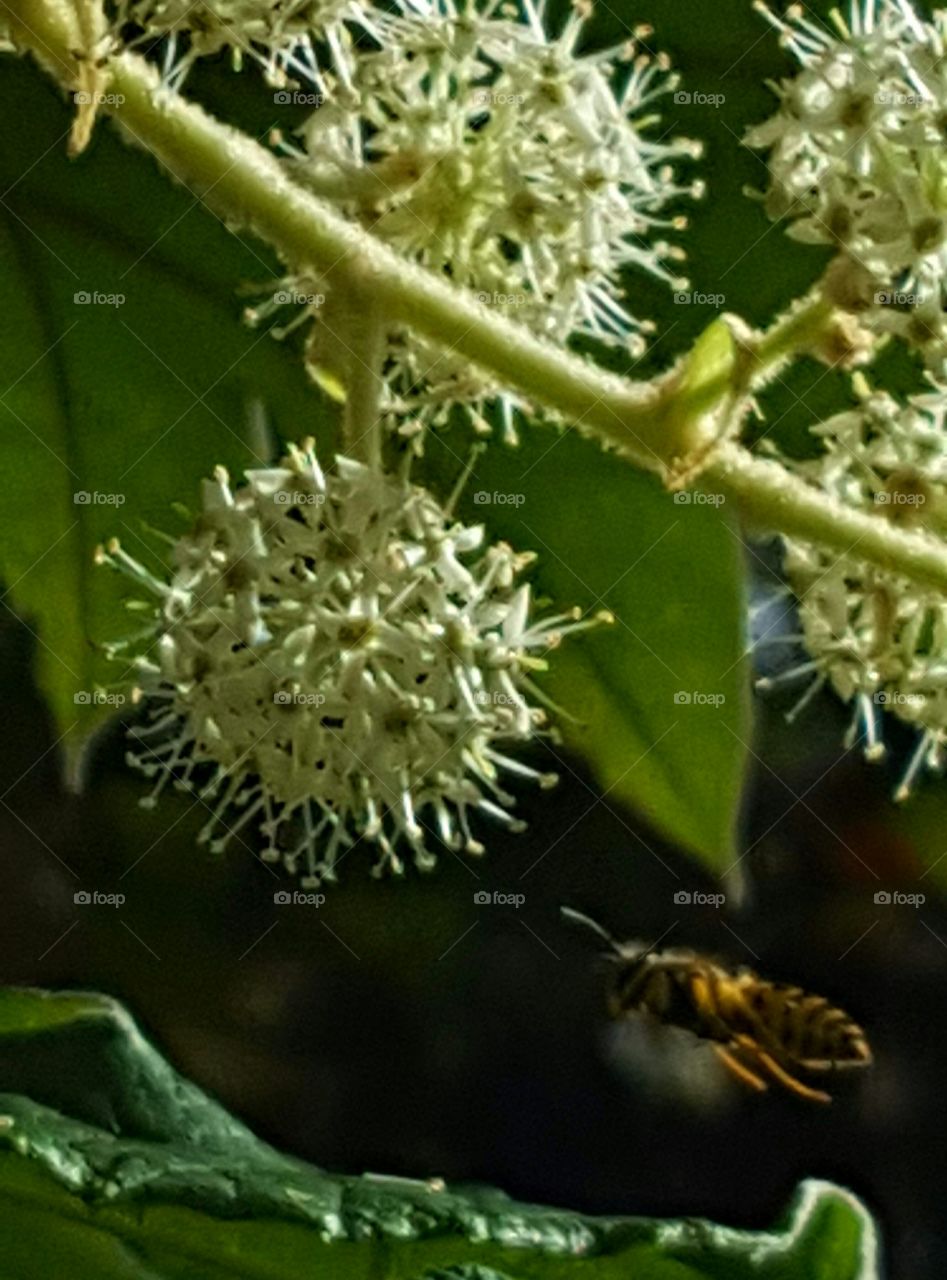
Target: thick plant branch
[(246, 185), (670, 426), (772, 499)]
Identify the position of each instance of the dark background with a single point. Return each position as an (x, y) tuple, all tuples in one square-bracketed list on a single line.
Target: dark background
[(403, 1028)]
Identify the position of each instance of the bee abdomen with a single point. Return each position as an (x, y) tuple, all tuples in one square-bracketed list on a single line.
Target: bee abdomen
[(806, 1029), (839, 1042)]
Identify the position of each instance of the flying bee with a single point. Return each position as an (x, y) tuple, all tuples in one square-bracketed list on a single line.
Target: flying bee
[(762, 1031)]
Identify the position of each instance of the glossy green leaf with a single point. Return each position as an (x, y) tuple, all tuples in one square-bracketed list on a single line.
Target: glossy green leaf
[(126, 374), (114, 1168), (658, 700)]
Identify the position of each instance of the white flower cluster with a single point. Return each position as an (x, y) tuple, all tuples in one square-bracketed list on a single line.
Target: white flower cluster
[(498, 157), (282, 35), (334, 658), (857, 157), (877, 639), (479, 143)]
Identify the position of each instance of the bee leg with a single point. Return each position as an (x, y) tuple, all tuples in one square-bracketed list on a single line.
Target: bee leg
[(776, 1071), (737, 1068)]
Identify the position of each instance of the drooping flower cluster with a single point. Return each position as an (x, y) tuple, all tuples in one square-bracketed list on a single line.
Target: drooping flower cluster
[(502, 159), (877, 639), (281, 35), (335, 659), (857, 157), (478, 141)]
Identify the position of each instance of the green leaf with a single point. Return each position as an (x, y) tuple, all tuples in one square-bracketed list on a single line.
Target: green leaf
[(708, 368), (130, 403), (660, 698), (112, 1166)]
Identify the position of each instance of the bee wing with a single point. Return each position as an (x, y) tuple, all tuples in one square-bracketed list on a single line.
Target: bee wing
[(667, 1064)]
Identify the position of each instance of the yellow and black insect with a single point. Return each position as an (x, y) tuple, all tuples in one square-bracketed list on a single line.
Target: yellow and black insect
[(761, 1030)]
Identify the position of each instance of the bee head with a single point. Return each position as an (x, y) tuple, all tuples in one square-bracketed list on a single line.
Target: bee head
[(631, 963), (628, 963)]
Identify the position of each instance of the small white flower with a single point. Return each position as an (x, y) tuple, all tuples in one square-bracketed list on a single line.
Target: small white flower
[(499, 157), (857, 156), (282, 35), (336, 659), (878, 640)]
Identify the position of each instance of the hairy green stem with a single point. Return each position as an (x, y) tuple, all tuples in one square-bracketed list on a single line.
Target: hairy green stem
[(801, 327), (773, 500), (362, 423), (671, 426)]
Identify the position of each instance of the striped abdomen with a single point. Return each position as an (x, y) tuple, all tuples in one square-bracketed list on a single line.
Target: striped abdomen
[(803, 1028)]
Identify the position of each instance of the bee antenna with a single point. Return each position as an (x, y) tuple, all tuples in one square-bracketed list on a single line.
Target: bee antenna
[(588, 923)]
